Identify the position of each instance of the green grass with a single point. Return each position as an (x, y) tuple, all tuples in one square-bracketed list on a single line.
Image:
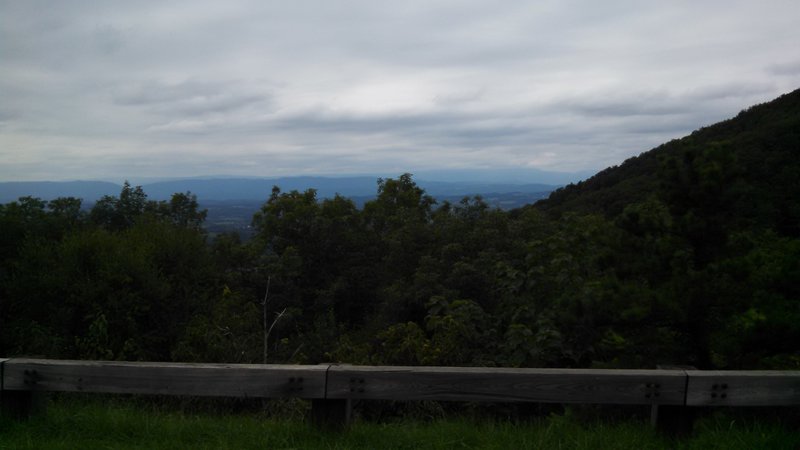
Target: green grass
[(120, 425)]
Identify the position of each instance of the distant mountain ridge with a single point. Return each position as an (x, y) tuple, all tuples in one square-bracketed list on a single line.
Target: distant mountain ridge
[(737, 178), (49, 190), (748, 163), (256, 189)]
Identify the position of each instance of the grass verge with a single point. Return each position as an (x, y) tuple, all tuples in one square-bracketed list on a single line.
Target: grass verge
[(121, 425)]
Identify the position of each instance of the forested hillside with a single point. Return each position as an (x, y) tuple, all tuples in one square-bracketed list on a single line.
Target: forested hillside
[(687, 254)]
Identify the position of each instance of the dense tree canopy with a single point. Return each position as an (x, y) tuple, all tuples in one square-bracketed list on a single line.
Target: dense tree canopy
[(688, 254)]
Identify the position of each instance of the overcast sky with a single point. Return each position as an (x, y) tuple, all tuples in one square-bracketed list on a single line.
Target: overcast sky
[(126, 89)]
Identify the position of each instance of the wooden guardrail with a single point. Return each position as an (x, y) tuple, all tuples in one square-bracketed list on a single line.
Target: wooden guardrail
[(332, 387)]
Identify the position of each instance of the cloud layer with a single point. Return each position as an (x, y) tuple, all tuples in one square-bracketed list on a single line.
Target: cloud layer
[(144, 88)]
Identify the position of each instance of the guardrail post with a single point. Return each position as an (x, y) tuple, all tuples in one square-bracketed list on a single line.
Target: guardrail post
[(331, 414), (673, 420), (21, 404)]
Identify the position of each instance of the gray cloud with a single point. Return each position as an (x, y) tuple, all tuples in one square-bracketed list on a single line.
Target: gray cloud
[(190, 98), (617, 108), (788, 69), (7, 115), (243, 87), (109, 39)]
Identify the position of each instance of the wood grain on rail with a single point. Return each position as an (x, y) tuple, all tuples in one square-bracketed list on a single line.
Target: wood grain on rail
[(224, 380), (665, 387), (334, 382), (743, 388)]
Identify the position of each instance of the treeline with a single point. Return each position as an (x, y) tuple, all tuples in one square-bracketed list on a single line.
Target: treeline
[(401, 281), (689, 254)]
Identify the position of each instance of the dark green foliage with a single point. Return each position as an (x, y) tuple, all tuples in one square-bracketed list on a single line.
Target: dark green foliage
[(687, 254), (704, 216), (117, 288)]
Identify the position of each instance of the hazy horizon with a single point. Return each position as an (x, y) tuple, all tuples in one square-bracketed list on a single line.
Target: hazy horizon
[(500, 176)]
